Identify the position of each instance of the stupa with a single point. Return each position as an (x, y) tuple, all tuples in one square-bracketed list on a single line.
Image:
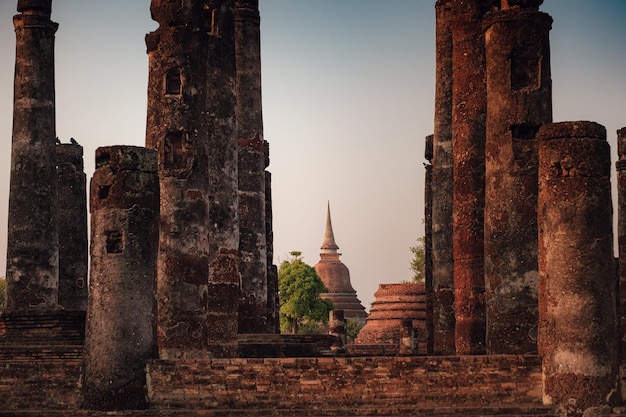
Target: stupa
[(336, 277)]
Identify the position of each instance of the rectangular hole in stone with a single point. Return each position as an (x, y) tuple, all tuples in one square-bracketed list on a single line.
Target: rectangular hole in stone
[(115, 241), (175, 152), (173, 83), (525, 71)]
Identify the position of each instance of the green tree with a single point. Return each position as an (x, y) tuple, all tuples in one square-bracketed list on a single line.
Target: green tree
[(3, 292), (299, 287), (418, 262), (353, 327)]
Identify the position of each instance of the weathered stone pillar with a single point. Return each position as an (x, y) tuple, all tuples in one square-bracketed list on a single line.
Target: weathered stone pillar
[(578, 336), (253, 310), (32, 236), (191, 123), (337, 327), (620, 167), (273, 305), (519, 91), (72, 220), (121, 316), (428, 243), (468, 111), (224, 278), (408, 345), (442, 257)]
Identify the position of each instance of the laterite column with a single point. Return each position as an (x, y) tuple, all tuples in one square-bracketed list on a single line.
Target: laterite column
[(519, 91), (121, 316), (191, 123), (442, 257), (73, 245), (578, 332), (254, 316), (620, 167), (469, 107), (428, 242), (32, 236)]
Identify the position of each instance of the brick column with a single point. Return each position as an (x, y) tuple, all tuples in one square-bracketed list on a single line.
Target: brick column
[(192, 125), (428, 243), (442, 259), (254, 316), (469, 107), (578, 336), (72, 220), (32, 236), (519, 91), (620, 167), (121, 316)]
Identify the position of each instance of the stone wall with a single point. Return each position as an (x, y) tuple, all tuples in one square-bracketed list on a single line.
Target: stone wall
[(309, 383)]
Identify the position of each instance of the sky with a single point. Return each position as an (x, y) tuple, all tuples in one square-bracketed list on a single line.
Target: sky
[(348, 93)]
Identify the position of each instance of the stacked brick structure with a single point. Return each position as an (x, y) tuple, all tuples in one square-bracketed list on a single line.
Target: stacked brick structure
[(336, 277), (72, 223), (121, 317), (441, 211), (394, 304), (255, 310), (32, 236), (192, 125), (468, 108), (519, 91), (578, 334)]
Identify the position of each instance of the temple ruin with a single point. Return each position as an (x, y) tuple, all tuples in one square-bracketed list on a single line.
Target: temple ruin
[(521, 313), (336, 277)]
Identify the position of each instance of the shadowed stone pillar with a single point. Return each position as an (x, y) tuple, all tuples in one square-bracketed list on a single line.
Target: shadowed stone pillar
[(191, 123), (121, 316), (273, 305), (73, 246), (620, 167), (254, 316), (578, 336), (442, 259), (519, 90), (428, 242), (469, 107), (32, 236)]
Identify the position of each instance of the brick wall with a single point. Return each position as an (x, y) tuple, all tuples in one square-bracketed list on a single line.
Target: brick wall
[(309, 383)]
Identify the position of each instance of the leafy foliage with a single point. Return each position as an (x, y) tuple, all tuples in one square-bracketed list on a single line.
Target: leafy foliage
[(353, 327), (3, 292), (418, 262), (299, 286)]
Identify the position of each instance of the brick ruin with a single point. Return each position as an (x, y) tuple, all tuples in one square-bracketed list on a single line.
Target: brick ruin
[(336, 277), (520, 312)]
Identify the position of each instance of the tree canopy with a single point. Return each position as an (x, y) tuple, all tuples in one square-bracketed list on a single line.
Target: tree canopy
[(418, 262), (299, 288)]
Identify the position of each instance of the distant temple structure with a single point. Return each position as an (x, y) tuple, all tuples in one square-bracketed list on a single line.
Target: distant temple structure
[(336, 277)]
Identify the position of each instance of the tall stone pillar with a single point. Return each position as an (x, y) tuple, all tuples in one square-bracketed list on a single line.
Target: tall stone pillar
[(72, 220), (121, 316), (468, 110), (428, 243), (442, 257), (32, 236), (578, 332), (191, 123), (254, 316), (620, 167), (273, 304), (519, 91)]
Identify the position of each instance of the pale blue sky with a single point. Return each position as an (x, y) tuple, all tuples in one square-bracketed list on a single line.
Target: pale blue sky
[(348, 90)]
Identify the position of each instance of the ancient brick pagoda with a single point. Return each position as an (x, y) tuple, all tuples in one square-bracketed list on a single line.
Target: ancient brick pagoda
[(180, 317), (336, 277)]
